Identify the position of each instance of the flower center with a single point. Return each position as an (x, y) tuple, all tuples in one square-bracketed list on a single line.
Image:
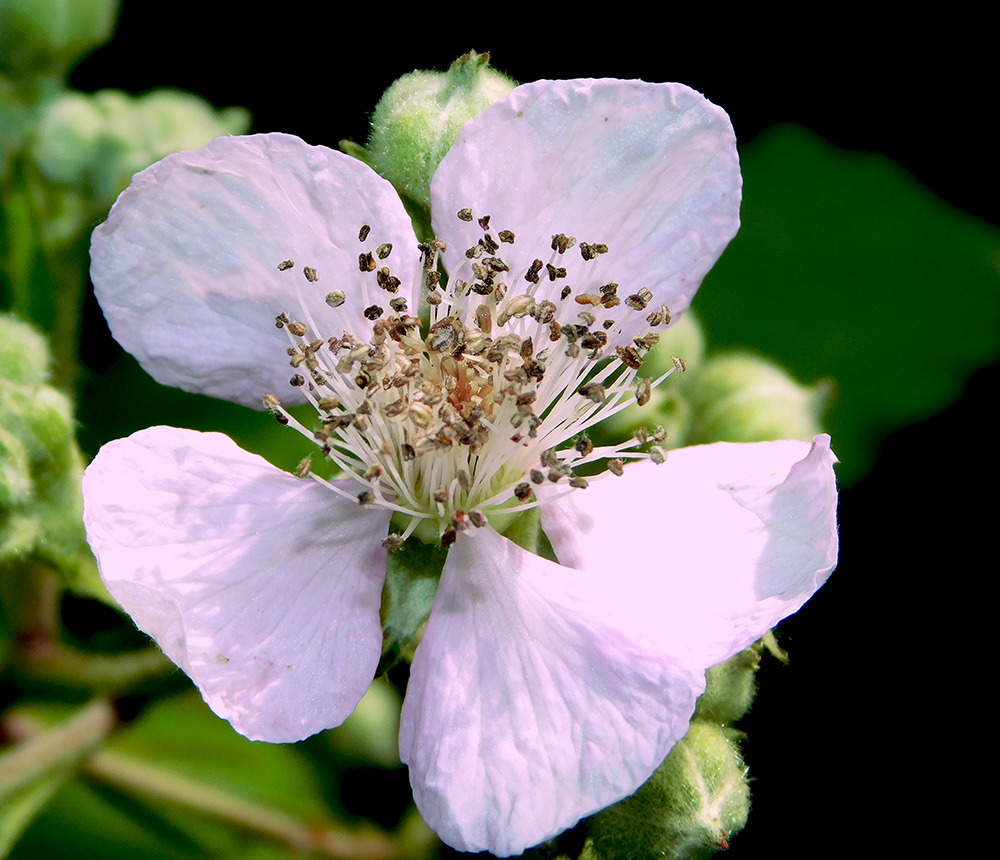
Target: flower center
[(481, 411)]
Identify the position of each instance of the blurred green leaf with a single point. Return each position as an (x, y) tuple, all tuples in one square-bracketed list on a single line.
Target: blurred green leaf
[(180, 783), (847, 267)]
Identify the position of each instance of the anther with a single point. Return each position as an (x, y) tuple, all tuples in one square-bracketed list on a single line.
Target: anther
[(643, 391), (484, 222), (297, 381), (657, 456), (679, 363), (285, 265), (398, 304), (373, 312), (578, 482), (281, 320), (363, 232), (565, 292), (384, 250), (629, 357), (593, 391), (555, 271), (335, 299), (507, 237), (311, 274), (271, 401), (373, 472), (366, 498), (465, 214), (584, 446), (366, 262), (562, 243), (297, 328), (615, 467), (392, 542), (523, 491), (304, 468)]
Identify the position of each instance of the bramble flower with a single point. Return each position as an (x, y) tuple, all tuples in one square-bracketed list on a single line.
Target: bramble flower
[(573, 219)]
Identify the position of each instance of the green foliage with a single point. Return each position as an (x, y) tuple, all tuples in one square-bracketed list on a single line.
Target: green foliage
[(847, 268)]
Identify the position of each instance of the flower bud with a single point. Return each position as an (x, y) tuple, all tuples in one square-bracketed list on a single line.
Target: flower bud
[(96, 143), (688, 808), (744, 398), (418, 119), (41, 505), (51, 35)]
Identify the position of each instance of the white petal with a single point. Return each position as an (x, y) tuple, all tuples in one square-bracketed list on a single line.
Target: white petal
[(185, 267), (263, 587), (712, 548), (651, 170), (528, 707)]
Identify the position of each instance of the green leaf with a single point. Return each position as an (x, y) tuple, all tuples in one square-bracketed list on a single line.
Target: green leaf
[(847, 267)]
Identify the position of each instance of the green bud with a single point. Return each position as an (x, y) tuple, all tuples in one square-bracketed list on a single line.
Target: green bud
[(96, 143), (744, 398), (689, 808), (41, 506), (730, 688), (43, 36), (418, 119)]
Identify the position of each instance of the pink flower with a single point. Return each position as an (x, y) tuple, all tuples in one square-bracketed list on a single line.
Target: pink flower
[(576, 216)]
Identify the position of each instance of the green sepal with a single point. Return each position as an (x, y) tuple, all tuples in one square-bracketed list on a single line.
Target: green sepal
[(411, 582), (688, 809), (730, 689)]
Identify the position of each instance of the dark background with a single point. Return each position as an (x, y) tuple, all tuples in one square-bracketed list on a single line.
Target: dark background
[(853, 745)]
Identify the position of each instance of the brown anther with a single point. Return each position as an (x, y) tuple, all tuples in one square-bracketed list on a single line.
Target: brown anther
[(629, 357), (393, 542), (484, 319), (555, 271), (496, 264), (578, 482), (465, 214), (555, 331), (643, 391), (366, 262), (434, 298), (489, 243), (607, 325), (660, 317), (642, 435), (657, 456), (271, 401), (679, 363), (584, 446), (527, 348), (615, 467), (532, 274), (593, 391), (281, 320), (441, 497), (384, 250), (562, 243), (366, 498), (647, 341), (544, 311), (373, 472), (594, 340), (280, 418), (373, 312), (432, 280), (311, 274), (588, 299), (363, 232), (475, 252), (484, 222), (536, 476), (285, 265), (448, 537), (523, 491), (304, 468), (507, 237), (587, 251), (565, 293), (478, 519), (335, 299), (297, 359), (328, 404), (588, 318), (408, 451), (297, 328), (611, 301), (297, 381), (459, 520), (660, 433)]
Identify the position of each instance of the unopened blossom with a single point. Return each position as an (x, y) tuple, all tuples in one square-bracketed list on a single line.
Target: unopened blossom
[(574, 219)]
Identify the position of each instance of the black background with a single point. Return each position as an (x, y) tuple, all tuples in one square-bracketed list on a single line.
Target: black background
[(860, 746)]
